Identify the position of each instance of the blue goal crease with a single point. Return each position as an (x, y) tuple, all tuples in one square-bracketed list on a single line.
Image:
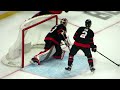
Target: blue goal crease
[(55, 68)]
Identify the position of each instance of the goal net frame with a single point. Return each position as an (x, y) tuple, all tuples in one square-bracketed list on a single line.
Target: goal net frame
[(22, 30), (27, 28)]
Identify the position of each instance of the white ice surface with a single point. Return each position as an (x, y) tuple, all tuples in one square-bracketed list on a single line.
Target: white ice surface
[(107, 42)]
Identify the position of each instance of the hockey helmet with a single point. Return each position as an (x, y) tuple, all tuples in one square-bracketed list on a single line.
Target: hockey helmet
[(64, 21), (88, 23)]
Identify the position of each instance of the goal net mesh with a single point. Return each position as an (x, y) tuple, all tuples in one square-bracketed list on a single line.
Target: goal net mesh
[(30, 40)]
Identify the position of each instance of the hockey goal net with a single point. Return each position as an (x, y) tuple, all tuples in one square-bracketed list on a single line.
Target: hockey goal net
[(30, 40)]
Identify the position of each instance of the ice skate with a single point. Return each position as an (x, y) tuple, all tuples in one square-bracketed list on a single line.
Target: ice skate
[(68, 68), (92, 69)]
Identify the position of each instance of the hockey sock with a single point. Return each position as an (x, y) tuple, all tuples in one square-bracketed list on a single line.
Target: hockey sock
[(70, 60), (90, 61)]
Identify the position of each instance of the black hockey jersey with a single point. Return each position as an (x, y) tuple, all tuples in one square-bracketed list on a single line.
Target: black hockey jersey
[(55, 34), (84, 37)]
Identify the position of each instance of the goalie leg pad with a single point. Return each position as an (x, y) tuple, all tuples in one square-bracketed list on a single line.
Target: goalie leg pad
[(59, 55)]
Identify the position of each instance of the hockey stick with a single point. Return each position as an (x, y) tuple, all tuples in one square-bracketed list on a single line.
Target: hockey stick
[(108, 58), (67, 44)]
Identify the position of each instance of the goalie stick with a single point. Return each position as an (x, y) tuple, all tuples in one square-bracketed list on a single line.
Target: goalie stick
[(67, 42), (108, 58)]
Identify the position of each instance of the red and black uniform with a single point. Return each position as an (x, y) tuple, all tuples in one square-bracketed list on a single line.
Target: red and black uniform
[(83, 40), (54, 37), (46, 12)]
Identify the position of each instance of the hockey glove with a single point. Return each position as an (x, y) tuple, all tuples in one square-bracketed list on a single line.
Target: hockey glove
[(94, 48)]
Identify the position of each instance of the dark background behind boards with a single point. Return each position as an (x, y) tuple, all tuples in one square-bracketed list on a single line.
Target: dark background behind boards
[(71, 5)]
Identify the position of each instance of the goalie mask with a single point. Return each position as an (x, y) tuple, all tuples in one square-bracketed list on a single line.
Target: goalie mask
[(64, 21)]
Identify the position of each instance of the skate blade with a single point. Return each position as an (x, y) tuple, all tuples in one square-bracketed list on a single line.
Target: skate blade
[(32, 61)]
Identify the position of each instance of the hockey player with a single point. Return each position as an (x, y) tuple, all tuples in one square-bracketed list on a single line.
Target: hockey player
[(47, 12), (54, 38), (84, 41)]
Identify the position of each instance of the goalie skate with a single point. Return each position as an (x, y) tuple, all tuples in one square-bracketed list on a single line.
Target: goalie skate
[(35, 60)]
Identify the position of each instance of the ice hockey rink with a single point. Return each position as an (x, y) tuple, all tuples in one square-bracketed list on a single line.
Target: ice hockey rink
[(105, 24)]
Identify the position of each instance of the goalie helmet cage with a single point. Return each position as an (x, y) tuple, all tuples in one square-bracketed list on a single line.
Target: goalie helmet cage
[(40, 25)]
